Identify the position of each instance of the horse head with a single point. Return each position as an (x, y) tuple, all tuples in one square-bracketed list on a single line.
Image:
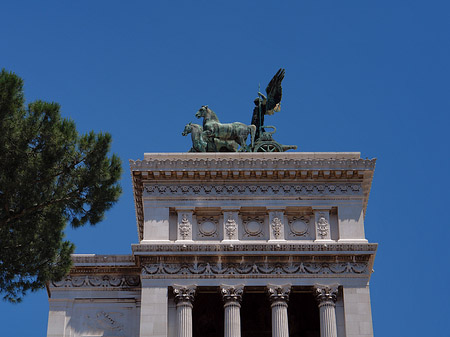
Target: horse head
[(187, 129), (202, 112)]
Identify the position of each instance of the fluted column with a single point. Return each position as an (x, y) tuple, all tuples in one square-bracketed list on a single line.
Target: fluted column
[(184, 296), (279, 297), (326, 297), (232, 297)]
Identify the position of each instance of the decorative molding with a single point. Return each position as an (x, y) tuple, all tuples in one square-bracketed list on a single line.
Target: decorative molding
[(284, 161), (102, 281), (170, 190), (370, 248), (326, 294), (252, 270), (184, 293), (232, 293), (278, 292)]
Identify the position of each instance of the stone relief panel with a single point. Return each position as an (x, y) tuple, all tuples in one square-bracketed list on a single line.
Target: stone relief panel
[(104, 319)]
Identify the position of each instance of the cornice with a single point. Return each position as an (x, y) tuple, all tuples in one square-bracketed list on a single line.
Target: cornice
[(244, 168), (186, 249)]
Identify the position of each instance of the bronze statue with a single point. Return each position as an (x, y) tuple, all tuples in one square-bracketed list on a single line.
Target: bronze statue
[(237, 132), (218, 137), (267, 105)]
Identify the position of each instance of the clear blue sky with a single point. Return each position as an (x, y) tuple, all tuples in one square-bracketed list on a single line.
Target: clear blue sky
[(368, 76)]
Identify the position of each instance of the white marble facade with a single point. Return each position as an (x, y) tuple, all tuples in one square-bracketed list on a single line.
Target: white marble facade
[(278, 223)]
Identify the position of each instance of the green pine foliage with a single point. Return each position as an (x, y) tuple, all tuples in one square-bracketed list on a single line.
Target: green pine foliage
[(49, 176)]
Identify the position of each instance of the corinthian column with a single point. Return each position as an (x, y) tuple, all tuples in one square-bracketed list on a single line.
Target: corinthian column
[(326, 298), (184, 296), (232, 297), (279, 296)]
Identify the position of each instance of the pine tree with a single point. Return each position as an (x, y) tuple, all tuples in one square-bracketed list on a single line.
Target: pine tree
[(50, 176)]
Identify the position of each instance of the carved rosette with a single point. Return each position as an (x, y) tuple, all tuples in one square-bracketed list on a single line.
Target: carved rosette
[(230, 228), (299, 226), (207, 227), (184, 294), (278, 293), (232, 293), (326, 294), (277, 225), (253, 227)]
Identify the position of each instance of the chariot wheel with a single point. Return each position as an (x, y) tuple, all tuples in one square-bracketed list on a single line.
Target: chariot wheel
[(268, 147)]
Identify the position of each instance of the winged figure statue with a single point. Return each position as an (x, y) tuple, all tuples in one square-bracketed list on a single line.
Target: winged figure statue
[(267, 105)]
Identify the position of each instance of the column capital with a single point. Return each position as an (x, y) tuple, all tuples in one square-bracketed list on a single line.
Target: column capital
[(278, 292), (184, 293), (232, 293), (326, 294)]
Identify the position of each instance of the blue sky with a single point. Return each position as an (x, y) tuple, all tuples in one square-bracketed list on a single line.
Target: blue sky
[(368, 76)]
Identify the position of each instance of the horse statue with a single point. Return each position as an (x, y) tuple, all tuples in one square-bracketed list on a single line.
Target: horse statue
[(196, 131), (211, 144), (237, 132)]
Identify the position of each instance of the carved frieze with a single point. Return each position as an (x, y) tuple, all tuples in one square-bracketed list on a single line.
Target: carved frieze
[(98, 281), (256, 247), (243, 189), (252, 270)]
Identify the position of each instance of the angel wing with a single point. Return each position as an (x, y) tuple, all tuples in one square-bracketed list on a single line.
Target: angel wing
[(274, 92)]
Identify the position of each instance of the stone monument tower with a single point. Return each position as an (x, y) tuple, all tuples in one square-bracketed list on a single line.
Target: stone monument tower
[(231, 244)]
